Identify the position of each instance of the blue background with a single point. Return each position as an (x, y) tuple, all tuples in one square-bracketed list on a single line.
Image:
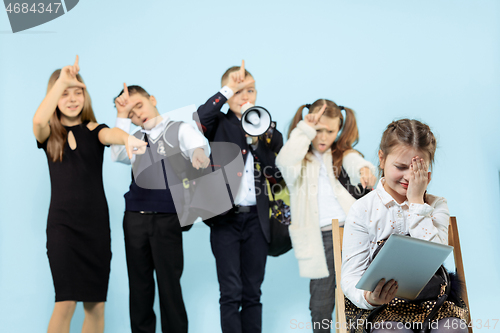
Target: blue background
[(437, 61)]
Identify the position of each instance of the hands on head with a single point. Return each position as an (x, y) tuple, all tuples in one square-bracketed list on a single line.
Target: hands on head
[(312, 119), (383, 293), (418, 180), (68, 76), (238, 80), (124, 104)]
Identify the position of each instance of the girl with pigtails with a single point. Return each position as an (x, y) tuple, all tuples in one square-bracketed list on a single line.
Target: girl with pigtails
[(320, 167)]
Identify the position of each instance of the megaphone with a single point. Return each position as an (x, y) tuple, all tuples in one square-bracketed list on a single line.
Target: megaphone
[(255, 120)]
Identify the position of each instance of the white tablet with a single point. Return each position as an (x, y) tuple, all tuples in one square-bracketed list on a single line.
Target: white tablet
[(410, 261)]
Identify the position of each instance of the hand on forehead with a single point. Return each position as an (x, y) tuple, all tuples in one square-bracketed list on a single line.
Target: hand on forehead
[(323, 124), (405, 154), (251, 82), (73, 89), (136, 99), (330, 124)]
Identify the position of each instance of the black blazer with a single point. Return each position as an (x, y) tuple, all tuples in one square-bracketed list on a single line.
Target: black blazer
[(220, 127)]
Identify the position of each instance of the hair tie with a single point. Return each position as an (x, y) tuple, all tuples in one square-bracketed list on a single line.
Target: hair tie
[(308, 106), (342, 108)]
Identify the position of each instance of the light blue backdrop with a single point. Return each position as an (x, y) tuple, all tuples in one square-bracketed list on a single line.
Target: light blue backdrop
[(437, 61)]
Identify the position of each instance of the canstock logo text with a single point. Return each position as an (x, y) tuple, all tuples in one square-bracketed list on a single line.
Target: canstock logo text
[(28, 14)]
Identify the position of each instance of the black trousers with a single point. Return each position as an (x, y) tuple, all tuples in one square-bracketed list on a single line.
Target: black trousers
[(154, 242), (240, 251)]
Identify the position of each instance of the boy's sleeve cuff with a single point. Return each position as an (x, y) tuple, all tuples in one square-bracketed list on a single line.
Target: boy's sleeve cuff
[(123, 124), (227, 92)]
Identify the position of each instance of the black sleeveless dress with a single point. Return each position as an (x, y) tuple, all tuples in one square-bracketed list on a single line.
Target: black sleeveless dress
[(78, 234)]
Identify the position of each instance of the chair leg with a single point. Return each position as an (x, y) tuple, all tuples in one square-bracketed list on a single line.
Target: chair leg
[(337, 259), (454, 241)]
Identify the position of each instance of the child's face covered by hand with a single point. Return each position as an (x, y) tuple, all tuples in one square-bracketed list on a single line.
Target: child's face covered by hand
[(405, 175), (326, 132)]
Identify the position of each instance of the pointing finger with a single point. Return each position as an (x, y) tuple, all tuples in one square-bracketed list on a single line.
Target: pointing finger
[(363, 182), (125, 89), (129, 151), (242, 69), (320, 113)]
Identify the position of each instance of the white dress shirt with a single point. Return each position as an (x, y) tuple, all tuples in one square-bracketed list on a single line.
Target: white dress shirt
[(189, 139), (246, 193), (328, 205), (375, 217)]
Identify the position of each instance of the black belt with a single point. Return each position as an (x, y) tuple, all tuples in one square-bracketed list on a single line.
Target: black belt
[(144, 212), (244, 209)]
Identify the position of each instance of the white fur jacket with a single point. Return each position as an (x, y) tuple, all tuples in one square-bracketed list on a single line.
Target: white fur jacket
[(300, 169)]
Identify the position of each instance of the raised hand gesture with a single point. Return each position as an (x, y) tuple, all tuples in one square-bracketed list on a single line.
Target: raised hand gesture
[(312, 119), (238, 80), (123, 104), (68, 76)]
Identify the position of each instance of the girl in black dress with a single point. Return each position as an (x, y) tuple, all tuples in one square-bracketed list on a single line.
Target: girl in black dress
[(78, 235)]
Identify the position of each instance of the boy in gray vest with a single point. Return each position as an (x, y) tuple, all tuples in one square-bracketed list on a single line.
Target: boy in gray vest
[(153, 235)]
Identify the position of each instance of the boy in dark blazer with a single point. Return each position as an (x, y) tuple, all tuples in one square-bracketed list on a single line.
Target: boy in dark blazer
[(240, 237)]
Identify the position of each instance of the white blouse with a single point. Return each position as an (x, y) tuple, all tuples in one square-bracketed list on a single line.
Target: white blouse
[(375, 217), (328, 205)]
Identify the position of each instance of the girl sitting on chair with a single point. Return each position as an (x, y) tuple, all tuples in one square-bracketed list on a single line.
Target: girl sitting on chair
[(399, 205)]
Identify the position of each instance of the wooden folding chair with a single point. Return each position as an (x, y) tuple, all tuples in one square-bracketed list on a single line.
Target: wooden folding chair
[(338, 233)]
